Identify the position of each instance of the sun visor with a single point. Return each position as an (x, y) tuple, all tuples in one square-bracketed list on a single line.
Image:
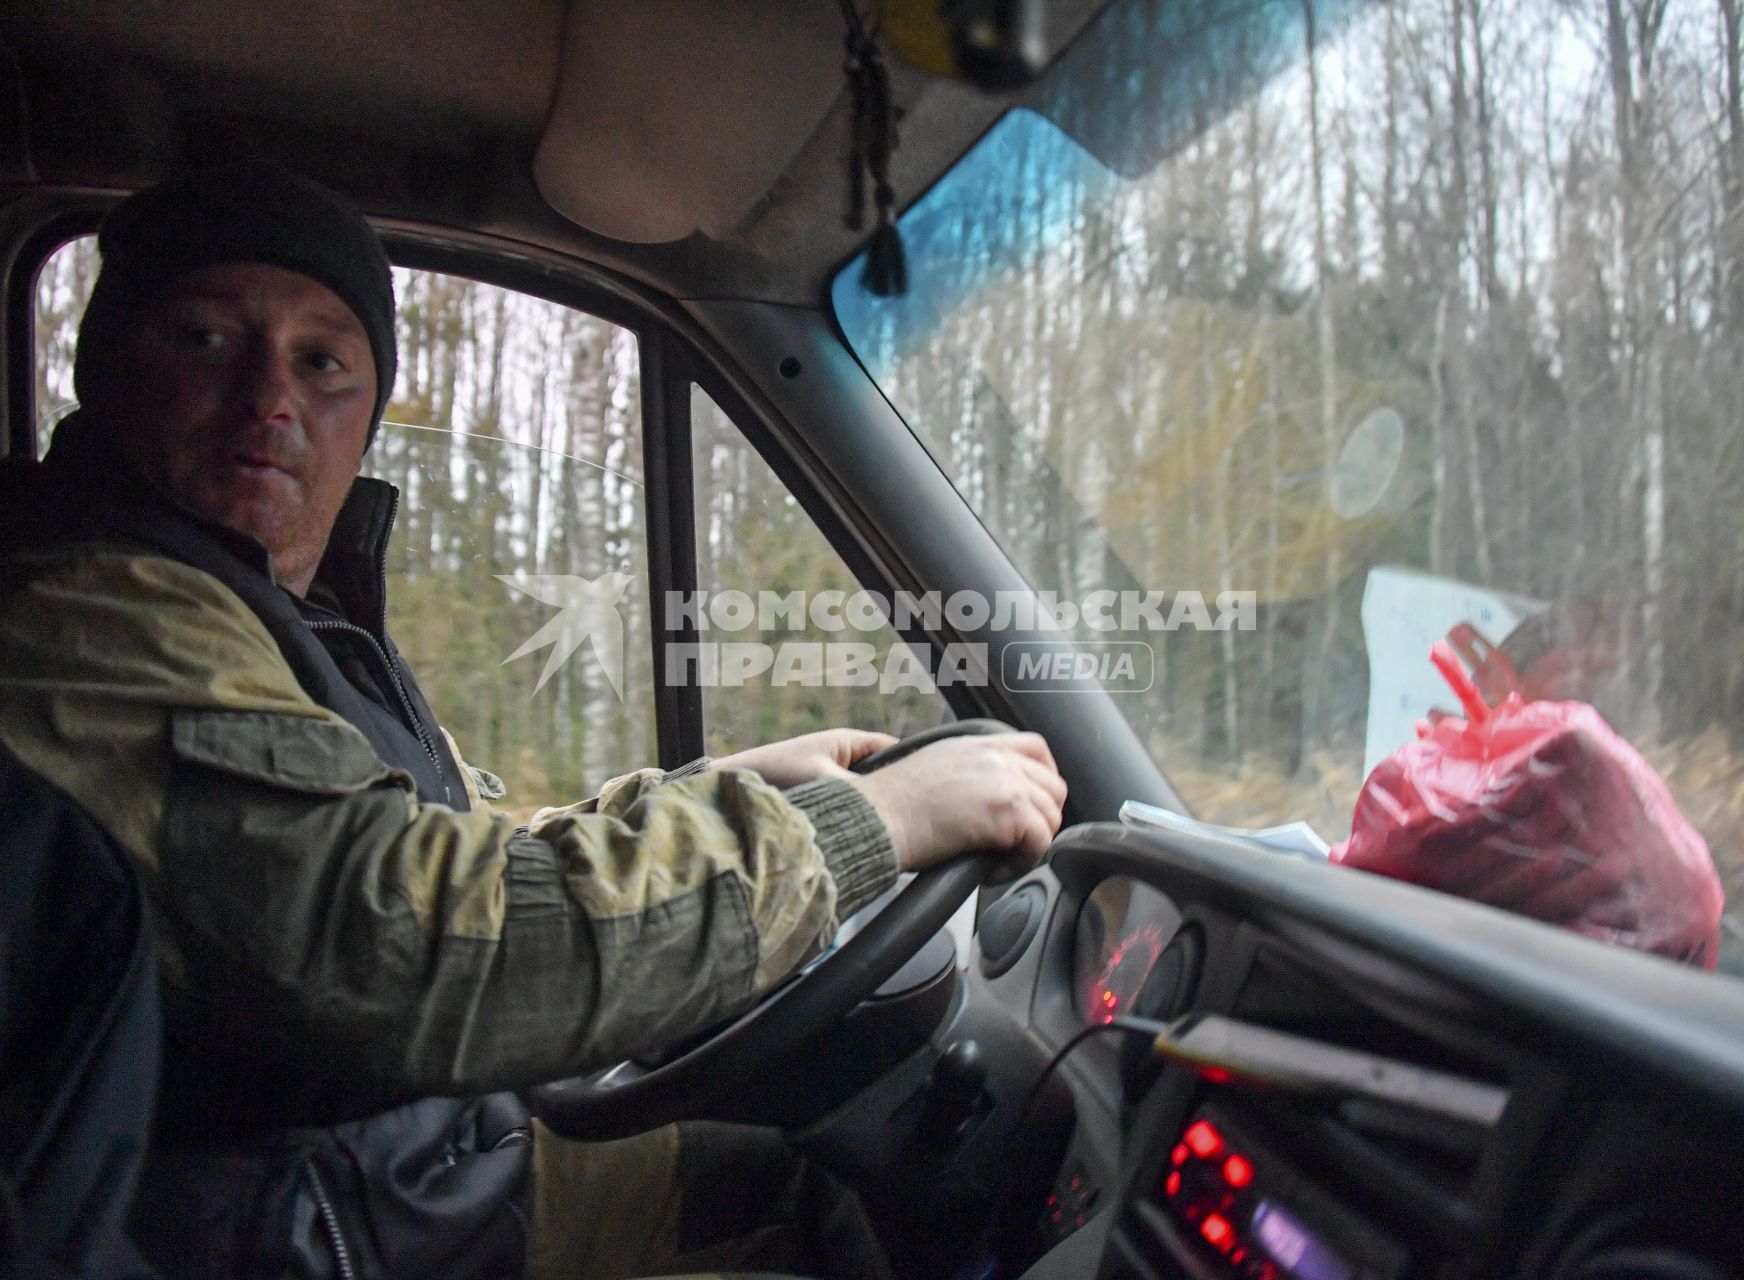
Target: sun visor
[(672, 117)]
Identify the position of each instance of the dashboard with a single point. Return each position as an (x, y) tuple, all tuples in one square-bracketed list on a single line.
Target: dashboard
[(1380, 1083)]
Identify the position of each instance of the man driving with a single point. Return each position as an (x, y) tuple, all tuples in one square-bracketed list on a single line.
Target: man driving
[(362, 957)]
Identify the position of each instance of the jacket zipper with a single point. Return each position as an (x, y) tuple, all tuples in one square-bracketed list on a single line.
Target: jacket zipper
[(412, 717), (381, 565), (330, 1220)]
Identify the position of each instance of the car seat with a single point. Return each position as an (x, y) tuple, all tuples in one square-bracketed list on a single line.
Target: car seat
[(80, 1037)]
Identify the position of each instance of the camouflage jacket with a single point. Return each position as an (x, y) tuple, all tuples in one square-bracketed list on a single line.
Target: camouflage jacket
[(338, 935)]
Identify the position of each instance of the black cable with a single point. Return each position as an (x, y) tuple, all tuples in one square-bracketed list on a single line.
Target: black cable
[(984, 1241), (1132, 1026)]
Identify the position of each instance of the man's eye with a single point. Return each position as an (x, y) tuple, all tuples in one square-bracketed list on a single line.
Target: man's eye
[(325, 362), (199, 337)]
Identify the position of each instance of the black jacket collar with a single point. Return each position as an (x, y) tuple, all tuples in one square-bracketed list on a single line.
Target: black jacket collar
[(83, 486)]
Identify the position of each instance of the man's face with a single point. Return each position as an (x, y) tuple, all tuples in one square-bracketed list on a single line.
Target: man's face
[(244, 393)]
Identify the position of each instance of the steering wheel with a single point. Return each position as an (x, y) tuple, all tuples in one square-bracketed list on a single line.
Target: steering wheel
[(631, 1097)]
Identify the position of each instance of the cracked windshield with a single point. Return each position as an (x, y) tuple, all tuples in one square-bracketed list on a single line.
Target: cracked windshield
[(1283, 343)]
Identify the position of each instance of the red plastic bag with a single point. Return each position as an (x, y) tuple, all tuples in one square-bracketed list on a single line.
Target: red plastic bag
[(1540, 808)]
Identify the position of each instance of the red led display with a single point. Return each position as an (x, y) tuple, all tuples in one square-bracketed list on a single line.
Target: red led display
[(1237, 1171), (1217, 1230), (1202, 1139), (1218, 1202)]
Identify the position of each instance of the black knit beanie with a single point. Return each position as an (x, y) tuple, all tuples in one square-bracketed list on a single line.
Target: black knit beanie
[(250, 211)]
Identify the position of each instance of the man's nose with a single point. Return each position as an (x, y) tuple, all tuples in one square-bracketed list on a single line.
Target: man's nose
[(268, 384)]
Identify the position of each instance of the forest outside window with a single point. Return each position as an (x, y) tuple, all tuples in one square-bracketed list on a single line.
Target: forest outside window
[(515, 438)]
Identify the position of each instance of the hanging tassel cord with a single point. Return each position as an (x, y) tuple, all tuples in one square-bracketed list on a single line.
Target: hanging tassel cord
[(872, 139)]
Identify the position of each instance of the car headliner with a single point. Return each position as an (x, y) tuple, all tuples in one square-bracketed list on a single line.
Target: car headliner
[(696, 147)]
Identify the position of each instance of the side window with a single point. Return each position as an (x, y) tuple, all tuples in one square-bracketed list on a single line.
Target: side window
[(517, 573), (518, 577), (785, 650), (62, 288)]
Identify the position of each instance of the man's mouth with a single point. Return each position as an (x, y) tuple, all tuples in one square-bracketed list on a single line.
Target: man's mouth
[(258, 464)]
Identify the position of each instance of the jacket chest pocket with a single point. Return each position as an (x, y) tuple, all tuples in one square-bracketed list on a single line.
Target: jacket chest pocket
[(268, 824)]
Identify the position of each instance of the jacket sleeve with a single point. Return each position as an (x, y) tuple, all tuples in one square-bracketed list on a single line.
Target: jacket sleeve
[(300, 883)]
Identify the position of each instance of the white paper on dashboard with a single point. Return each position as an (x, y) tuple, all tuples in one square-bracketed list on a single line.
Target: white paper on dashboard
[(1293, 837)]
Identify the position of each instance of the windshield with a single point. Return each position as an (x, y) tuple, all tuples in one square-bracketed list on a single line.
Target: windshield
[(1379, 326)]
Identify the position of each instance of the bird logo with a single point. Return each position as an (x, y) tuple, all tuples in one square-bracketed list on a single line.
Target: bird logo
[(588, 611)]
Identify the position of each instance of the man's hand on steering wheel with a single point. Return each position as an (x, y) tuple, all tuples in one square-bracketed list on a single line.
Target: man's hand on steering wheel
[(955, 796), (969, 787), (825, 754), (965, 794)]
